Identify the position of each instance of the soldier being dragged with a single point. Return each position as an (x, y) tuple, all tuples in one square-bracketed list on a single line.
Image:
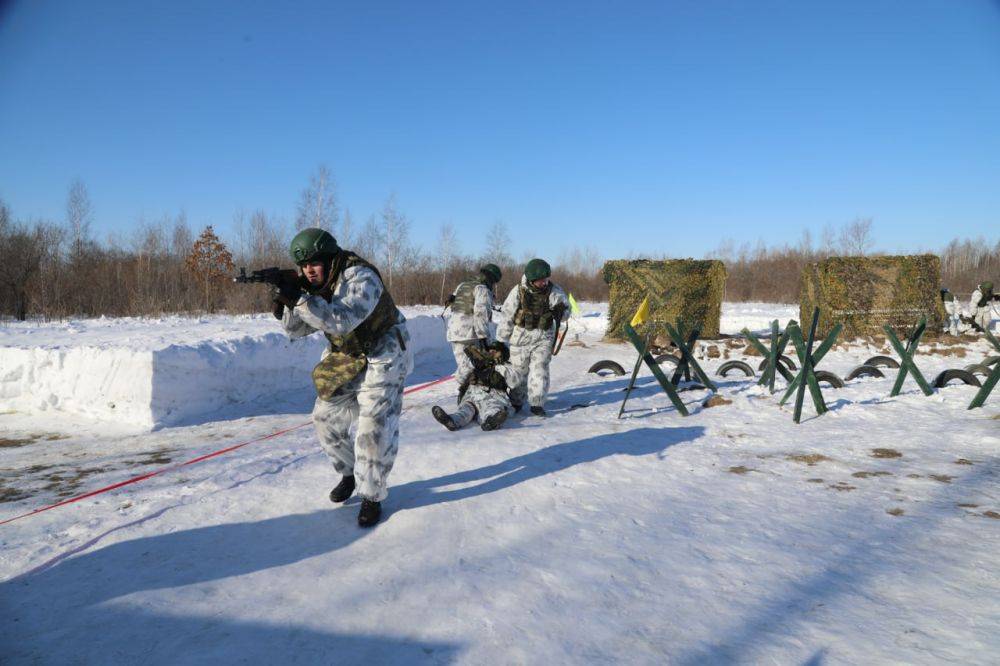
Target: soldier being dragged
[(484, 393)]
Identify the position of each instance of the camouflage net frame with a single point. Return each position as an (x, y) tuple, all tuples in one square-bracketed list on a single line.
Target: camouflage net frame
[(865, 293), (687, 289)]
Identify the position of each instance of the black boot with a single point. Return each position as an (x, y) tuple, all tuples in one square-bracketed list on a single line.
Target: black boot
[(538, 410), (495, 421), (516, 406), (343, 490), (370, 512), (443, 418)]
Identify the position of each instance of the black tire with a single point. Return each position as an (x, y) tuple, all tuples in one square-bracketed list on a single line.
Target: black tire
[(964, 376), (613, 366), (978, 369), (991, 361), (669, 358), (788, 363), (830, 378), (882, 361), (865, 371), (734, 365)]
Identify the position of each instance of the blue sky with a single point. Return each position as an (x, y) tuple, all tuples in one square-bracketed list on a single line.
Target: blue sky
[(629, 127)]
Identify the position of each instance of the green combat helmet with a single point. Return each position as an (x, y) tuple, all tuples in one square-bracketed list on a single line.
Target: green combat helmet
[(491, 272), (537, 269), (313, 245)]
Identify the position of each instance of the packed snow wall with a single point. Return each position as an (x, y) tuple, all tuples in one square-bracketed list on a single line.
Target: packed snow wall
[(153, 373)]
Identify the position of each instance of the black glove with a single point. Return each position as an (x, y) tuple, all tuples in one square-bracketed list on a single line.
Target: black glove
[(288, 290), (559, 310)]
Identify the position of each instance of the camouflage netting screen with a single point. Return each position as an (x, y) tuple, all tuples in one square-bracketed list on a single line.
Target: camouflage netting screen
[(863, 293), (688, 289)]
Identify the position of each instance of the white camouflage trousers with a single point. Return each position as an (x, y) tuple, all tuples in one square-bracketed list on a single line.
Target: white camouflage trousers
[(952, 323), (464, 365), (531, 360), (983, 317), (372, 400), (481, 401)]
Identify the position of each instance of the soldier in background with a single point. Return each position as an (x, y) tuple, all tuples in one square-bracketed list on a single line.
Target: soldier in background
[(471, 307), (953, 324), (531, 312), (484, 394), (359, 380), (980, 306)]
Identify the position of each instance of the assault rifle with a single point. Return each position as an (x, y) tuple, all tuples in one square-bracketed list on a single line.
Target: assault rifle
[(284, 282)]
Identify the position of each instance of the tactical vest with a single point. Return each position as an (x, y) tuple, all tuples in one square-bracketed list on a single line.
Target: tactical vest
[(363, 338), (487, 377), (465, 295), (533, 309)]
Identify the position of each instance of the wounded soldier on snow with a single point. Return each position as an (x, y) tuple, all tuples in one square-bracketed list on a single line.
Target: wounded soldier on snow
[(483, 394)]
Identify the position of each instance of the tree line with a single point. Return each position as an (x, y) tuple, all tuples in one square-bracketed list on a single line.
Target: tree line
[(54, 269)]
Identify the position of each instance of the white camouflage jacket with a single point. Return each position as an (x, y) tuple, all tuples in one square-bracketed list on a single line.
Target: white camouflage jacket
[(355, 295), (517, 335), (463, 327)]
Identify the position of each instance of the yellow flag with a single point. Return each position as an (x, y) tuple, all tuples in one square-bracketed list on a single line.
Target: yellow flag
[(642, 314), (574, 309)]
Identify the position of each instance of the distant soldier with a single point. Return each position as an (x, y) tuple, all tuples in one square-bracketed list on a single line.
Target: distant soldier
[(953, 309), (359, 380), (484, 395), (532, 312), (471, 313), (980, 306)]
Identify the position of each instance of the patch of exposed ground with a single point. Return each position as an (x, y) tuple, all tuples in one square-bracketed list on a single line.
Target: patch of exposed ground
[(866, 475), (894, 512), (810, 459), (948, 351), (840, 485), (814, 480), (8, 443), (966, 505), (886, 453), (963, 461), (943, 478), (992, 514), (740, 469)]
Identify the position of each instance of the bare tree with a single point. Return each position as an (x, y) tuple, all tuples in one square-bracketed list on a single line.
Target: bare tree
[(346, 239), (856, 237), (498, 245), (396, 237), (447, 245), (369, 242), (318, 202), (79, 216), (23, 248)]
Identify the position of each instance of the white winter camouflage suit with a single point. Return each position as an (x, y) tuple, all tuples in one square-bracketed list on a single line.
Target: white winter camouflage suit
[(530, 350), (953, 324), (373, 399), (483, 402), (982, 315), (464, 329)]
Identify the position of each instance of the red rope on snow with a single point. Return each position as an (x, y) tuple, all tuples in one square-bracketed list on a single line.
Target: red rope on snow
[(162, 470)]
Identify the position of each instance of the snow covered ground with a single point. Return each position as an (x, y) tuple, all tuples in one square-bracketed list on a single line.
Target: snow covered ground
[(867, 535)]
